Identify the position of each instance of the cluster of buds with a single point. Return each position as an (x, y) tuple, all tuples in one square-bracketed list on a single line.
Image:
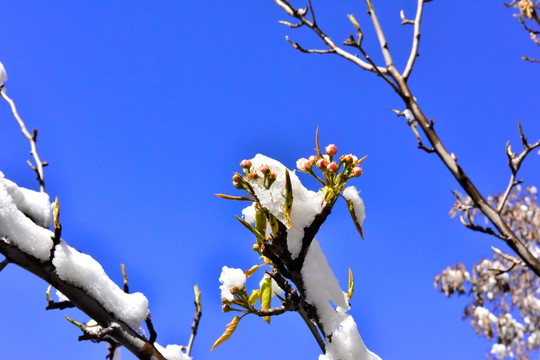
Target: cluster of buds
[(251, 174), (335, 173)]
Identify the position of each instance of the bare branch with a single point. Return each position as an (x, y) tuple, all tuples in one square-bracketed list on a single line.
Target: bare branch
[(308, 51), (404, 20), (416, 40), (120, 332), (485, 230), (3, 264), (38, 168), (196, 320), (300, 15), (277, 310), (380, 35), (151, 329), (514, 162)]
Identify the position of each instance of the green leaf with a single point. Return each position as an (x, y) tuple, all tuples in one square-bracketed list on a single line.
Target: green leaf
[(231, 327), (255, 295), (350, 206), (288, 199), (351, 285), (266, 296), (353, 20), (251, 228), (253, 269)]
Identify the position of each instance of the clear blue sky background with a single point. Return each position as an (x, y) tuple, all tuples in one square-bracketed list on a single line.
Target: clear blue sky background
[(145, 108)]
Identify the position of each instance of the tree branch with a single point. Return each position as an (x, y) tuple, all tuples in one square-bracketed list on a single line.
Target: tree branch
[(120, 331), (38, 168), (300, 15), (196, 320), (380, 35), (514, 162), (416, 40)]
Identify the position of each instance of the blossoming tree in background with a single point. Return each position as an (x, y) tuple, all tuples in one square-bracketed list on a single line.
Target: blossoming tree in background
[(508, 284), (284, 217)]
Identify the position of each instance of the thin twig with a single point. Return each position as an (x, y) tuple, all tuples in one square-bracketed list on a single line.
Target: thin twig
[(312, 327), (298, 47), (292, 11), (124, 275), (358, 44), (3, 264), (277, 310), (38, 168), (151, 330), (380, 35), (196, 319), (416, 40), (514, 163)]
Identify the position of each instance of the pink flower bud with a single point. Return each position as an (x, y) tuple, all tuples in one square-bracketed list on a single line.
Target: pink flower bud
[(252, 176), (321, 163), (357, 171), (246, 164), (237, 177), (273, 176), (332, 167), (308, 165), (265, 169), (331, 150), (226, 307), (312, 159)]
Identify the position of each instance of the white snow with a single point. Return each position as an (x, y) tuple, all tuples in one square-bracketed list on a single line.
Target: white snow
[(231, 279), (3, 74), (17, 227), (34, 204), (306, 203), (322, 288), (61, 297), (172, 352), (83, 271), (249, 213), (410, 117), (352, 194)]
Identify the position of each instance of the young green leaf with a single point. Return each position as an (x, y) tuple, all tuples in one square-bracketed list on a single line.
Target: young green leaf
[(251, 228), (350, 292), (288, 199), (255, 295), (266, 296), (350, 206), (253, 269), (231, 327)]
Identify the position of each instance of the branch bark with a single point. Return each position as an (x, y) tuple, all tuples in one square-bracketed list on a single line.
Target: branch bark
[(121, 332)]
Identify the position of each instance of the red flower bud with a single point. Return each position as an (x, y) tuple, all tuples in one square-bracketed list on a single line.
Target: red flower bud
[(357, 171), (246, 164), (321, 163), (332, 167), (331, 150)]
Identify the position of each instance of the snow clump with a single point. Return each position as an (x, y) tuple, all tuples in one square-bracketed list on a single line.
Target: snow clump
[(232, 280)]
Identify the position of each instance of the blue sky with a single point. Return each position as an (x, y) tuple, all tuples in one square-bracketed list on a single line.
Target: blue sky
[(145, 109)]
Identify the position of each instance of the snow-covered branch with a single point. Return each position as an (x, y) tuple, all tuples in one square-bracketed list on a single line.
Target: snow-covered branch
[(26, 241), (285, 217)]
